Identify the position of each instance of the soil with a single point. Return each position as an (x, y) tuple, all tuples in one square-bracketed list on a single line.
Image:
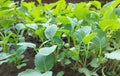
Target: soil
[(10, 69)]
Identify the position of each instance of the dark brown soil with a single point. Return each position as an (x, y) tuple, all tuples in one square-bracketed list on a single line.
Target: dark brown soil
[(68, 71), (11, 70)]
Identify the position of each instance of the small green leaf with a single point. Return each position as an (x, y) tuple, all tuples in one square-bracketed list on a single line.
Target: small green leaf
[(4, 56), (49, 73), (82, 32), (67, 61), (3, 61), (32, 26), (113, 55), (21, 65), (47, 50), (61, 73), (24, 10), (20, 26), (87, 72), (58, 40), (30, 72), (40, 33), (97, 4), (94, 63), (27, 44), (88, 38), (50, 31), (21, 50), (63, 20)]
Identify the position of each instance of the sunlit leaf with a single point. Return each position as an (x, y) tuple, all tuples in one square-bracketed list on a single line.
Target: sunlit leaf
[(113, 55), (50, 31), (47, 50)]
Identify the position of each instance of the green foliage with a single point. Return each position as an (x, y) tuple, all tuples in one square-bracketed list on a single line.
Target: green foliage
[(30, 72), (83, 35), (43, 60)]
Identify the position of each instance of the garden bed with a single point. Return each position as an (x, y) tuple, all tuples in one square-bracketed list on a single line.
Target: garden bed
[(59, 39)]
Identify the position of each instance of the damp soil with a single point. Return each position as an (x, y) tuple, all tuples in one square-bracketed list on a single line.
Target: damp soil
[(11, 70)]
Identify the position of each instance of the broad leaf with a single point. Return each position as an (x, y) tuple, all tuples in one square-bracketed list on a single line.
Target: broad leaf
[(100, 41), (32, 26), (88, 38), (82, 32), (20, 26), (81, 11), (113, 55), (49, 73), (27, 44), (61, 73), (47, 50), (30, 72), (50, 31), (44, 63), (63, 20), (94, 63), (4, 56)]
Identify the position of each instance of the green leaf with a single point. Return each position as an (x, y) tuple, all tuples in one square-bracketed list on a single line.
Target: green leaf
[(63, 20), (117, 11), (113, 55), (81, 11), (44, 63), (20, 26), (27, 44), (88, 38), (58, 40), (61, 5), (7, 22), (94, 63), (30, 72), (87, 72), (24, 10), (97, 4), (82, 32), (43, 60), (3, 61), (50, 31), (100, 41), (21, 65), (29, 5), (61, 73), (49, 73), (21, 50), (46, 50), (4, 56), (32, 26), (40, 33)]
